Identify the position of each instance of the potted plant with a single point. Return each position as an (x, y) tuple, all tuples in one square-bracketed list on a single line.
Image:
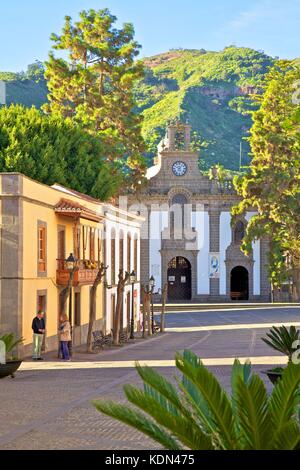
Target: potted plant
[(283, 340), (12, 362)]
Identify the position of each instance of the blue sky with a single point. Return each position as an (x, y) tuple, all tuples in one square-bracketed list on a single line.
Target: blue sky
[(269, 25)]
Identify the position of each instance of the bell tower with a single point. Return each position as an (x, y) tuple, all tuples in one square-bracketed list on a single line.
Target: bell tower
[(179, 137)]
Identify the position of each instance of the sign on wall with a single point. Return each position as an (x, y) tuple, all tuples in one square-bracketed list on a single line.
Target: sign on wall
[(214, 265)]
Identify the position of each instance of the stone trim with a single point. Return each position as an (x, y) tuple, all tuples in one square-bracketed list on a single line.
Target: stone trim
[(41, 224), (42, 293)]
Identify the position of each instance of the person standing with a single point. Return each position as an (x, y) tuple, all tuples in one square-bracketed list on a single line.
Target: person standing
[(38, 327), (65, 336)]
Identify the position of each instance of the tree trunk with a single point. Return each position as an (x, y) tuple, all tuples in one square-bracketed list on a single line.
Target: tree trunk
[(144, 310), (64, 295), (92, 315), (117, 318), (163, 308), (146, 299), (296, 281)]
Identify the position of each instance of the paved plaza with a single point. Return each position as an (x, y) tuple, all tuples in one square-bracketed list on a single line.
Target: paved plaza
[(48, 404)]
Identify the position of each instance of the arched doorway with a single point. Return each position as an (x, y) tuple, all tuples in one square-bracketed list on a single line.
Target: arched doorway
[(179, 279), (239, 284)]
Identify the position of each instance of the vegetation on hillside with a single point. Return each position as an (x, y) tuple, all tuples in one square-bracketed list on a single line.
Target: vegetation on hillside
[(28, 88), (209, 89)]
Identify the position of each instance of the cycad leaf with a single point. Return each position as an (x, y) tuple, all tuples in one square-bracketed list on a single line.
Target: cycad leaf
[(195, 398), (239, 371), (284, 400), (288, 438), (138, 421), (281, 339), (253, 414), (185, 429), (215, 397), (162, 390)]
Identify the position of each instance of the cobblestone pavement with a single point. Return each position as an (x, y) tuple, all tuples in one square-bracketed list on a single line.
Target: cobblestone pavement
[(48, 405)]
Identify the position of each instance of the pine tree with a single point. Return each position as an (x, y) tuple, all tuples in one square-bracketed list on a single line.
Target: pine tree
[(272, 186), (94, 85)]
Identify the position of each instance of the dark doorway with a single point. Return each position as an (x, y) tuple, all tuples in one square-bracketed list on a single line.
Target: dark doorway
[(179, 279), (239, 285)]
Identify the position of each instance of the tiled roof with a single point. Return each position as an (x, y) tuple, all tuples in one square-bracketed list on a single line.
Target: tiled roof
[(73, 209)]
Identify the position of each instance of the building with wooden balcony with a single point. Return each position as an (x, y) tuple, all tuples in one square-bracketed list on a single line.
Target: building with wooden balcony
[(40, 227)]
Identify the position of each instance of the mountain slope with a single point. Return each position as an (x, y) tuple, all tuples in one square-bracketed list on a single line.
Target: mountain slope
[(210, 90)]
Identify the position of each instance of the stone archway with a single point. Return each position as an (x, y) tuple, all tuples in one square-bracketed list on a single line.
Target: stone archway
[(179, 279), (239, 283)]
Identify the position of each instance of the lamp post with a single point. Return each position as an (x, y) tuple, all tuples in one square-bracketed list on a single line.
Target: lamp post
[(132, 281), (71, 264), (152, 285)]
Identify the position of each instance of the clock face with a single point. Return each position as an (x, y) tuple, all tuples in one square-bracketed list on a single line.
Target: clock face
[(179, 169)]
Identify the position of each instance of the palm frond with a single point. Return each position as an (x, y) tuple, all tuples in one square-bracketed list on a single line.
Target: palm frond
[(215, 397), (11, 341), (184, 428), (285, 399), (194, 398), (138, 421), (165, 392), (288, 438), (282, 339), (253, 413)]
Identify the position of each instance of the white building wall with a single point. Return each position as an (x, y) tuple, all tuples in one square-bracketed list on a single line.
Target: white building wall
[(200, 221), (109, 225), (225, 241)]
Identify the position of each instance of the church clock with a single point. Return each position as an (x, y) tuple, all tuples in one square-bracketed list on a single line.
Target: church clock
[(179, 168)]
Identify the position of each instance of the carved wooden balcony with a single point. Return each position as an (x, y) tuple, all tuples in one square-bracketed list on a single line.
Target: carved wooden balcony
[(85, 273)]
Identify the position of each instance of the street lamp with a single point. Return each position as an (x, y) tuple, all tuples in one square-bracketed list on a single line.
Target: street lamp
[(70, 262), (70, 265), (152, 285), (132, 281)]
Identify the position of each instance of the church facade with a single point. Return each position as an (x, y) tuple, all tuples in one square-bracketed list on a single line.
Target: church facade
[(189, 241)]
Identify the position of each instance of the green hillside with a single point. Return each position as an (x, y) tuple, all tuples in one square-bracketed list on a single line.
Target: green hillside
[(21, 90), (211, 91)]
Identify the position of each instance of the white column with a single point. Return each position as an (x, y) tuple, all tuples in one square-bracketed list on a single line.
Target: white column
[(225, 241), (200, 221), (158, 222)]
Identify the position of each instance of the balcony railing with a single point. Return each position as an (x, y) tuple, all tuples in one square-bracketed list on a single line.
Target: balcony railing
[(85, 274)]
